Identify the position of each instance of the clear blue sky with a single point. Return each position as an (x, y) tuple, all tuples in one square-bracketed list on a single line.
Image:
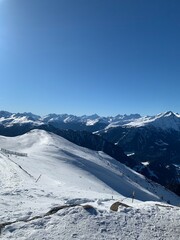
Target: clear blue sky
[(90, 56)]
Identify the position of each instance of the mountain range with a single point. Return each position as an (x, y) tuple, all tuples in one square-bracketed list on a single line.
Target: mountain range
[(165, 121), (149, 145)]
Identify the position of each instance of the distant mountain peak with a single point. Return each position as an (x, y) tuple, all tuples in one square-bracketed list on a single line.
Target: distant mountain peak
[(167, 120), (5, 114), (169, 113)]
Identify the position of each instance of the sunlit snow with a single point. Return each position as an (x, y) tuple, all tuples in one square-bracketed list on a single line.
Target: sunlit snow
[(57, 172)]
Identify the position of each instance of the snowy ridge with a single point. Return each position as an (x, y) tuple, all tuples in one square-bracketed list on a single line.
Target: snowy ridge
[(10, 119), (57, 172), (56, 159), (91, 120), (165, 121)]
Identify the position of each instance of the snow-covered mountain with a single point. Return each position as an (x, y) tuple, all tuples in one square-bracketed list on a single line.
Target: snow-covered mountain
[(55, 173), (154, 140), (165, 121), (67, 166), (8, 119), (92, 119)]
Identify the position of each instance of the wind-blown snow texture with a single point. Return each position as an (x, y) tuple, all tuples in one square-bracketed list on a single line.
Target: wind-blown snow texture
[(69, 174)]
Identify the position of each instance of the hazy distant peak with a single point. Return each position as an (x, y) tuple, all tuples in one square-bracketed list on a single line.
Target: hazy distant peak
[(5, 114)]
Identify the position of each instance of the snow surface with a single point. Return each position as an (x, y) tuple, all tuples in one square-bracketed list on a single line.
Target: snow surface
[(165, 121), (145, 163), (58, 172)]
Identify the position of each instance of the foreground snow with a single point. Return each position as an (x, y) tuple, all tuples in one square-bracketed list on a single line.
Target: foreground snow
[(143, 223), (57, 172)]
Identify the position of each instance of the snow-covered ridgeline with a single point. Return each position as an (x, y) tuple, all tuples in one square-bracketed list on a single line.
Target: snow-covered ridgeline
[(57, 172), (167, 120)]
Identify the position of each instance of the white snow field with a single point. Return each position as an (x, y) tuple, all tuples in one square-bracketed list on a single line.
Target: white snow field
[(57, 173)]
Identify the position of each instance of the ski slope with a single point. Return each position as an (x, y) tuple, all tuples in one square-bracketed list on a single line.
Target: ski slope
[(57, 172)]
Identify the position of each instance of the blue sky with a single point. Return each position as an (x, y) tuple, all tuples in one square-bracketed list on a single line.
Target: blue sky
[(90, 56)]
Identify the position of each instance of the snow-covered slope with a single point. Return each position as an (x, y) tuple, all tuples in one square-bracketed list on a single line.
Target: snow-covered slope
[(70, 168), (165, 121), (142, 222), (10, 119), (91, 119), (57, 172)]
